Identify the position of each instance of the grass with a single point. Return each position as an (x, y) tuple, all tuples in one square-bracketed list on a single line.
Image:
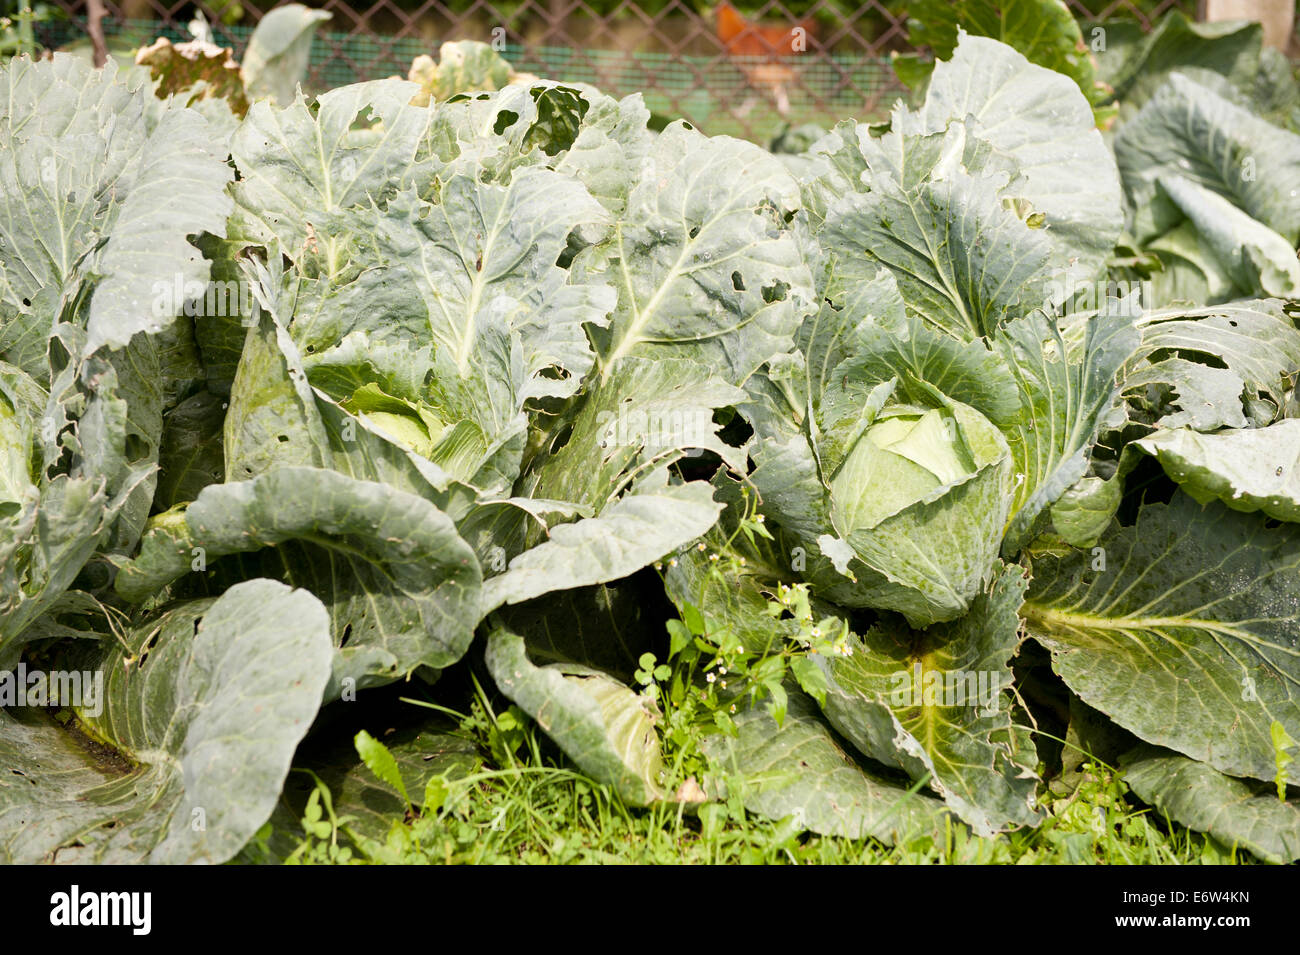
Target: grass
[(537, 810)]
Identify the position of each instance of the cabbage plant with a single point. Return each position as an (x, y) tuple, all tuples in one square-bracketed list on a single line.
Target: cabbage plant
[(409, 377), (950, 449)]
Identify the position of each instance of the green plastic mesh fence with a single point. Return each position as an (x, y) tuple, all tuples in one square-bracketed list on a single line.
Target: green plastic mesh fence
[(712, 92), (667, 50)]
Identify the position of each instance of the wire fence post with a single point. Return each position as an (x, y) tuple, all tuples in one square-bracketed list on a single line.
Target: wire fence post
[(95, 27)]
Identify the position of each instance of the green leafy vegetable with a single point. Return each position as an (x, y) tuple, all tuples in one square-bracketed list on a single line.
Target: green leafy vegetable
[(201, 710), (770, 482), (602, 725), (1180, 628)]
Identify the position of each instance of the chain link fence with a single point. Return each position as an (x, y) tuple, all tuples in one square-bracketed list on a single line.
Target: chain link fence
[(669, 50)]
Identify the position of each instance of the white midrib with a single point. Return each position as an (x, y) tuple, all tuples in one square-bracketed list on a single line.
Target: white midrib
[(465, 340), (1087, 621), (949, 288), (640, 317)]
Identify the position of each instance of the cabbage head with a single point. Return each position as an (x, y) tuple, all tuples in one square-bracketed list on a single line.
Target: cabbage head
[(921, 497)]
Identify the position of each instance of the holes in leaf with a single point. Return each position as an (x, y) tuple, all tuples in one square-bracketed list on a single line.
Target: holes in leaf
[(737, 281), (1146, 484), (137, 448), (505, 119), (282, 438), (734, 429), (695, 230), (1201, 358), (143, 657), (562, 438), (573, 244), (701, 465), (557, 125), (776, 292), (347, 633), (59, 355)]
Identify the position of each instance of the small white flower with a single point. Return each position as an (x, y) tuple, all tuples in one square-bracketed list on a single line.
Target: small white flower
[(711, 677), (733, 708), (700, 547), (672, 562), (722, 671), (723, 684), (759, 519), (713, 557)]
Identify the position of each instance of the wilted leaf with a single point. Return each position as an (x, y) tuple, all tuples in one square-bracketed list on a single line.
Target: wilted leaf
[(602, 725)]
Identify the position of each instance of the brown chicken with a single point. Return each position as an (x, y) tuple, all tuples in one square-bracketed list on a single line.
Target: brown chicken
[(764, 53)]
